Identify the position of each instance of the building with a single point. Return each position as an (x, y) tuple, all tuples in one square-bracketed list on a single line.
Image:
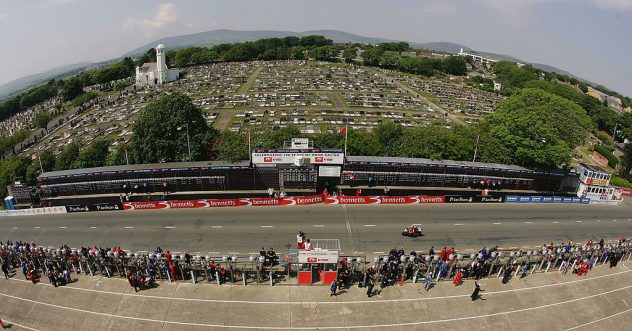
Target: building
[(594, 183), (477, 58), (156, 73)]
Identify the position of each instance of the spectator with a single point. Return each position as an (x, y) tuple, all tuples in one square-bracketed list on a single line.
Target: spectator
[(333, 288), (270, 192)]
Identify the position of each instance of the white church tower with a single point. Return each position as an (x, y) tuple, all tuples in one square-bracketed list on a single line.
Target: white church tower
[(161, 64), (156, 73)]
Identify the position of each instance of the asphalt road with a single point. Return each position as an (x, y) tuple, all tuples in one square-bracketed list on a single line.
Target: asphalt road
[(364, 229)]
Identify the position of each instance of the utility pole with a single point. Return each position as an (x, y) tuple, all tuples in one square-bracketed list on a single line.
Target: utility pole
[(476, 148)]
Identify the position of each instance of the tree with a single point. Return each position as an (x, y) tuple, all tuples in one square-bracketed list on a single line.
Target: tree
[(298, 53), (455, 65), (47, 159), (388, 134), (627, 160), (41, 119), (233, 147), (117, 156), (539, 128), (362, 143), (160, 132), (512, 76), (389, 60), (94, 155), (11, 169), (349, 54), (67, 157), (72, 89)]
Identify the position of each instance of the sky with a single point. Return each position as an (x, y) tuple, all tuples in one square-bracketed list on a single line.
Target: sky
[(589, 38)]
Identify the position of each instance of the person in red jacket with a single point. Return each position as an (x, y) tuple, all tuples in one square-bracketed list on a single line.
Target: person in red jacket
[(444, 254), (457, 279)]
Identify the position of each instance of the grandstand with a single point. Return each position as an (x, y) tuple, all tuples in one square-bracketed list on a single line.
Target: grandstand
[(355, 171)]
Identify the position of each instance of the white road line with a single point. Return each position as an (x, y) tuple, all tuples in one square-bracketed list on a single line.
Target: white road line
[(326, 302), (458, 224), (369, 225), (15, 228), (513, 247), (578, 221), (464, 318), (253, 253), (36, 227), (528, 222), (62, 227), (129, 227), (614, 220), (233, 253), (378, 252), (555, 222), (319, 226), (598, 220), (267, 226), (216, 226), (93, 227), (170, 227), (599, 320), (626, 304), (497, 223)]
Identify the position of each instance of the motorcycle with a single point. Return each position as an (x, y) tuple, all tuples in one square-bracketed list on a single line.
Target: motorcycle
[(413, 231)]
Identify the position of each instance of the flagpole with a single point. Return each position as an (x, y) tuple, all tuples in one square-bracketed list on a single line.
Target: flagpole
[(346, 133), (125, 148), (249, 150), (476, 148)]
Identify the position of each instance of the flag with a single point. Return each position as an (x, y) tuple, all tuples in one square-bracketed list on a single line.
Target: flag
[(343, 130), (125, 148)]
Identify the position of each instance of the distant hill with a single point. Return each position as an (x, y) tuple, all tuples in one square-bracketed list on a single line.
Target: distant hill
[(214, 37), (37, 79)]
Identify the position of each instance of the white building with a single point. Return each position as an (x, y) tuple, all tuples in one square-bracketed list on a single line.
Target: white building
[(156, 73), (477, 58)]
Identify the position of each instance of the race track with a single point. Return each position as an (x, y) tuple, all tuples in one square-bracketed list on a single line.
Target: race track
[(363, 230)]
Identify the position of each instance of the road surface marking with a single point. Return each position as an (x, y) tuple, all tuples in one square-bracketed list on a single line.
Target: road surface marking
[(463, 318), (497, 223), (213, 252), (614, 220), (598, 220), (36, 227), (15, 228), (369, 225), (253, 253), (129, 227), (513, 247), (458, 223), (267, 226), (62, 227), (234, 253), (599, 320), (170, 227), (526, 246), (216, 226), (328, 302), (93, 227), (578, 221), (528, 222), (626, 304), (319, 226), (378, 252), (555, 222)]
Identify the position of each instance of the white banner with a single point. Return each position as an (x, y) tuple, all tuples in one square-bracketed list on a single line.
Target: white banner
[(317, 256), (328, 171), (290, 157), (34, 211)]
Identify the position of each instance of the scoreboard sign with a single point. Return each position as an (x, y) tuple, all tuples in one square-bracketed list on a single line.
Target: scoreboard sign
[(313, 156)]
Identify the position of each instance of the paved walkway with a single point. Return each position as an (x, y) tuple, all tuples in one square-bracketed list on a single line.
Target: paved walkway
[(550, 301)]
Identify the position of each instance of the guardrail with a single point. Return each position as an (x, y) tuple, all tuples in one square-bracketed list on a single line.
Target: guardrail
[(385, 270)]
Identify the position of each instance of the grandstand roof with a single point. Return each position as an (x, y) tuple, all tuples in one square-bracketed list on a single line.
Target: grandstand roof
[(143, 167), (449, 163)]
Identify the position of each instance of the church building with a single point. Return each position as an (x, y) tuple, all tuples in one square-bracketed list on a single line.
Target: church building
[(156, 73)]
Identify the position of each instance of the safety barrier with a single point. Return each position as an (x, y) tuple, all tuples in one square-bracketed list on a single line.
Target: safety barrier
[(386, 270), (34, 211), (545, 199)]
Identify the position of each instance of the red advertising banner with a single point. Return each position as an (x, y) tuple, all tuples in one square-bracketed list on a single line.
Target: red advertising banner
[(625, 191), (214, 203), (384, 200)]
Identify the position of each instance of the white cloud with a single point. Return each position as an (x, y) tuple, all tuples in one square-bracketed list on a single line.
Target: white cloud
[(3, 16), (165, 14), (614, 4), (440, 7)]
